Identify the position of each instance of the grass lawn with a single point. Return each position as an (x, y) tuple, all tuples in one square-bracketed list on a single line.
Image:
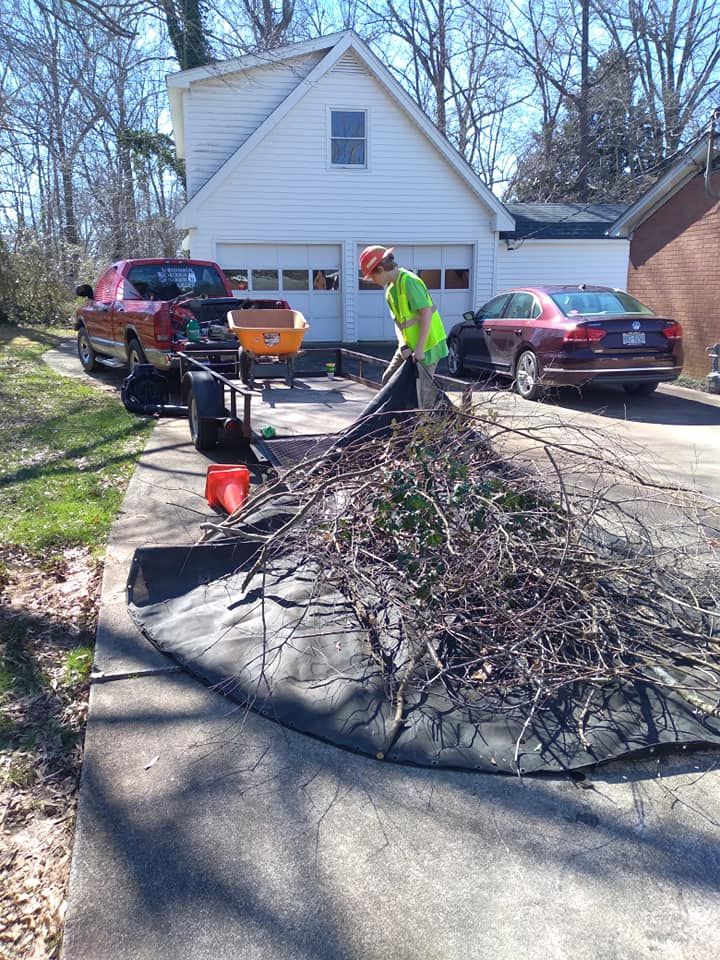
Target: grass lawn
[(68, 451)]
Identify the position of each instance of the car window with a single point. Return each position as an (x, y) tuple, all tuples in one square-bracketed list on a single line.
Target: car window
[(494, 308), (522, 307), (594, 302)]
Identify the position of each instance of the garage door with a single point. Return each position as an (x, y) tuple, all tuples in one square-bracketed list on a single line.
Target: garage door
[(308, 277), (446, 271)]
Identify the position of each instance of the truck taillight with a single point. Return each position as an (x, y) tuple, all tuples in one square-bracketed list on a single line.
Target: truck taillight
[(582, 334), (673, 331), (161, 325)]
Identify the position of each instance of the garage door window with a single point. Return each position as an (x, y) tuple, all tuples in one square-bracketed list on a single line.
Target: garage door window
[(295, 280), (457, 279), (324, 280), (239, 277), (431, 278), (265, 280)]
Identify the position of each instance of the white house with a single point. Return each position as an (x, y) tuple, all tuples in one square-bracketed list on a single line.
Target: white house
[(298, 158)]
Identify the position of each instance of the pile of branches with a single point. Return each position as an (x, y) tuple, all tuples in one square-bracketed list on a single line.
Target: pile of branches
[(503, 578)]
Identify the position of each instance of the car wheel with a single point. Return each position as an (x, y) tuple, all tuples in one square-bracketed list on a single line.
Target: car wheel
[(135, 353), (527, 376), (454, 359), (641, 389), (86, 354)]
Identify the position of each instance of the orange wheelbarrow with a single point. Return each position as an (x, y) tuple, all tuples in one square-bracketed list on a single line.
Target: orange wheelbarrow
[(267, 336)]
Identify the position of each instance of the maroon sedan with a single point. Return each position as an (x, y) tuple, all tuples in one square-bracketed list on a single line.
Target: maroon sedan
[(568, 336)]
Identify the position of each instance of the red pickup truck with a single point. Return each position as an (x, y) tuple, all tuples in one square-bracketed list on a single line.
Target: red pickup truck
[(140, 310)]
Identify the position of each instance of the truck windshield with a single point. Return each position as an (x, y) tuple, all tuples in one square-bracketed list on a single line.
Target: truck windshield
[(164, 281)]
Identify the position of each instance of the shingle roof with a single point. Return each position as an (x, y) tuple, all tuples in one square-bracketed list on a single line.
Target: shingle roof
[(562, 221)]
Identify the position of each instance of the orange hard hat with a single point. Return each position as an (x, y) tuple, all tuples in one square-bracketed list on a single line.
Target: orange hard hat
[(371, 257)]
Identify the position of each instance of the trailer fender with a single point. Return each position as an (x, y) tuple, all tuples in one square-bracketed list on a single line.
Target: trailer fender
[(207, 390)]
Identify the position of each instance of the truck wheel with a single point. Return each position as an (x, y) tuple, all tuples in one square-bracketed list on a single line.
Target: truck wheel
[(135, 353), (204, 398), (86, 354)]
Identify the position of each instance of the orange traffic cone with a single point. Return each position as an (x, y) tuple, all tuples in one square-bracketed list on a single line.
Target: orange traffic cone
[(227, 487)]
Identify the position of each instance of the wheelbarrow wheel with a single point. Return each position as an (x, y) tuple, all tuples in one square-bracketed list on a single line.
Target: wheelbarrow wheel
[(290, 379), (246, 368)]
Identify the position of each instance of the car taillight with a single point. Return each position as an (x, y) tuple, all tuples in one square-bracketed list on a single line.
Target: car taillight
[(673, 331), (585, 334)]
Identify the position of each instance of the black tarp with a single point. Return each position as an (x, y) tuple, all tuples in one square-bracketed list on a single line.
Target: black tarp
[(290, 647)]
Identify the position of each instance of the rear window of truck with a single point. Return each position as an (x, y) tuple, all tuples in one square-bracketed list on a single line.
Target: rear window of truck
[(167, 281)]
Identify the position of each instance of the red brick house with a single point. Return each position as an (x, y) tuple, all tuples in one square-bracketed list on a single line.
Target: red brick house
[(674, 232)]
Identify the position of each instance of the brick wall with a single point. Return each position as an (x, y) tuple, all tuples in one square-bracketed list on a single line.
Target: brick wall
[(675, 268)]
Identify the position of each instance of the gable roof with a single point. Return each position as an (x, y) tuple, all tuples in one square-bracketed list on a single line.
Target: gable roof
[(336, 45), (562, 221), (691, 162)]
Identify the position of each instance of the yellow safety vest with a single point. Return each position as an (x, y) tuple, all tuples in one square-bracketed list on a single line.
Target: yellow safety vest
[(409, 325)]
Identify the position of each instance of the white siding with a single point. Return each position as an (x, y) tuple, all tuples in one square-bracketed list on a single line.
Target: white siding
[(286, 193), (286, 190), (603, 262), (220, 113)]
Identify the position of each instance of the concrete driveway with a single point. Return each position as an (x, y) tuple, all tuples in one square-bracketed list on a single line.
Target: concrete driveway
[(208, 832), (674, 433)]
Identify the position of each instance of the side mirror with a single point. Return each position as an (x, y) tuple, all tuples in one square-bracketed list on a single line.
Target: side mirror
[(84, 290), (469, 315)]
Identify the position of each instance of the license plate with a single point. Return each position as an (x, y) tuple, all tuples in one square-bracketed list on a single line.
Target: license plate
[(633, 339), (273, 339)]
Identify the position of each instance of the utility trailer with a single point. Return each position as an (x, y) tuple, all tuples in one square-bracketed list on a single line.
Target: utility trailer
[(219, 407)]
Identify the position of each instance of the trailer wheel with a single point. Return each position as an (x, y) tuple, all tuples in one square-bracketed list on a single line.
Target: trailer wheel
[(204, 398)]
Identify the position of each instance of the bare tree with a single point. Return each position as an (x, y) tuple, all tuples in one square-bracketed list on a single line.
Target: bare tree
[(675, 48), (269, 25)]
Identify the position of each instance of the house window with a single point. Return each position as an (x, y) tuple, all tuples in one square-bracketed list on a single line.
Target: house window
[(265, 280), (348, 138), (431, 278), (295, 279), (457, 279)]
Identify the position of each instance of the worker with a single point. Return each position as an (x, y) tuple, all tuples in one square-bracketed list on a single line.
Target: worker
[(418, 325)]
